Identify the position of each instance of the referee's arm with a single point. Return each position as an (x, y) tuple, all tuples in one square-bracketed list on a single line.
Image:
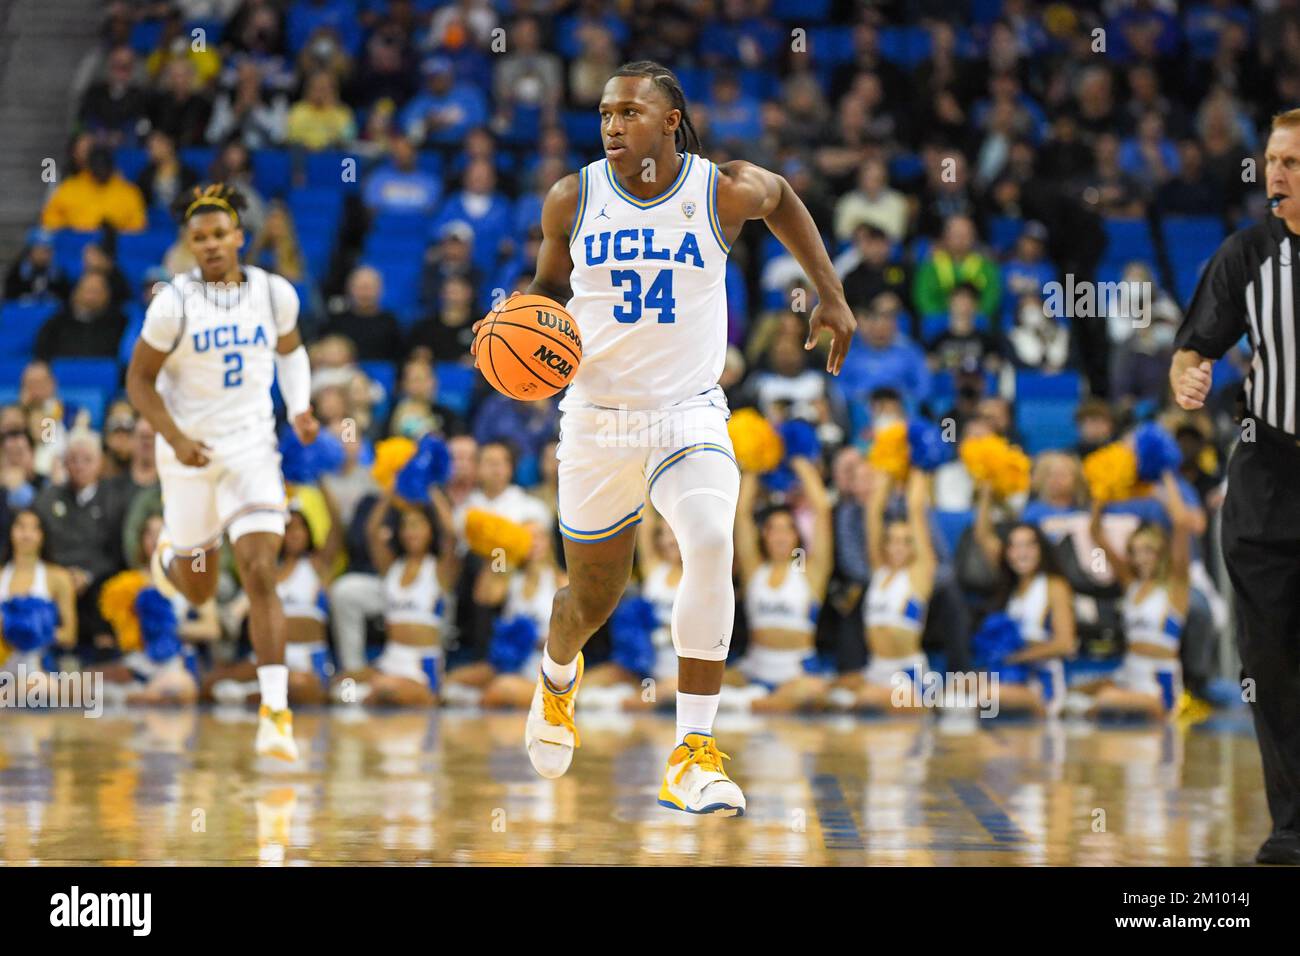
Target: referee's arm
[(1214, 322)]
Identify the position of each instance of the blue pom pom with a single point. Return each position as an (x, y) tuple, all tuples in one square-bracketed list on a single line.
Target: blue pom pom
[(800, 438), (927, 448), (158, 625), (780, 479), (997, 638), (430, 465), (1157, 452), (513, 639), (632, 626), (304, 464), (29, 622)]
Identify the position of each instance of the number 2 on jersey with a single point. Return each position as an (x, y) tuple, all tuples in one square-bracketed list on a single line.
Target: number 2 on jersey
[(234, 369), (659, 297)]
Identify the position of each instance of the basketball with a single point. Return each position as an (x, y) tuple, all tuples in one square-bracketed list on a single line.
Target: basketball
[(528, 347)]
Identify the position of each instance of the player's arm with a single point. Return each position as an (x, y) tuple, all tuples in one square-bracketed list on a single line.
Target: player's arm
[(1215, 320), (292, 368), (554, 265), (142, 390), (745, 192)]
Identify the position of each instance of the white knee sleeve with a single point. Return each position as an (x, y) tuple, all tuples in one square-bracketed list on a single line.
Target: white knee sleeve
[(697, 497)]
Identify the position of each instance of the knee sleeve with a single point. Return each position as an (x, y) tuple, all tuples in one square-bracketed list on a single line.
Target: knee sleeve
[(697, 497)]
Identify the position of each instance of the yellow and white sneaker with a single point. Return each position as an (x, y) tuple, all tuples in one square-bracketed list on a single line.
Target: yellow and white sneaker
[(695, 781), (157, 573), (550, 735), (275, 734)]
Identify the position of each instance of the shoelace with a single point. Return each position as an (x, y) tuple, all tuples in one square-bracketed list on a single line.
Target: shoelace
[(558, 710), (708, 758)]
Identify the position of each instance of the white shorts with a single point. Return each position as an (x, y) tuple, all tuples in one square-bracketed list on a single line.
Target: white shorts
[(309, 657), (1158, 677), (773, 667), (880, 671), (610, 458), (237, 493), (420, 664)]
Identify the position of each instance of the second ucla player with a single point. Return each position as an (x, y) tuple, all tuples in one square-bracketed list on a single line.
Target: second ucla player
[(636, 246)]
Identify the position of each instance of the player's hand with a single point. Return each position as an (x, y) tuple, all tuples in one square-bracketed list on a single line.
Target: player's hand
[(834, 316), (473, 346), (191, 452), (1193, 386), (306, 427)]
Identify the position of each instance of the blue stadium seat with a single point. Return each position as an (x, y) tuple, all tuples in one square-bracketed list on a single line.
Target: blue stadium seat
[(401, 282), (19, 324), (385, 373), (92, 399), (582, 127), (130, 161), (695, 81), (1034, 386), (213, 31), (68, 246), (199, 158), (97, 373), (1199, 232), (1128, 239), (1186, 275), (803, 11), (325, 169), (145, 36), (11, 373), (272, 172), (1046, 424), (830, 46), (952, 524), (134, 322), (456, 385), (905, 167), (1004, 231)]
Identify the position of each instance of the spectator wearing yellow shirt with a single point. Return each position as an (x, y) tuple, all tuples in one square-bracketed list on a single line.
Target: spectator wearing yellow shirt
[(96, 196), (319, 120), (177, 43)]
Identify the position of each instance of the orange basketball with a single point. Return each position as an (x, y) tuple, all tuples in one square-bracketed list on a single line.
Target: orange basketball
[(528, 347)]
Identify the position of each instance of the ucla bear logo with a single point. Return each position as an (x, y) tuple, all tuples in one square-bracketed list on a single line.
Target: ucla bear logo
[(689, 209)]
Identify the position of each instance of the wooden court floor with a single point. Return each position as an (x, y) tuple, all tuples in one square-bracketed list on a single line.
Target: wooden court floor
[(156, 787)]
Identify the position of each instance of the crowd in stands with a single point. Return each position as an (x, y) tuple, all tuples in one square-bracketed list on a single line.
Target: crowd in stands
[(961, 161)]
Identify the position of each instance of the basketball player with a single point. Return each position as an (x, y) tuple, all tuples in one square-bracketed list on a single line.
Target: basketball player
[(213, 341), (636, 244)]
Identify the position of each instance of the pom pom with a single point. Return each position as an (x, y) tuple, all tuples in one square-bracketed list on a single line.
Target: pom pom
[(757, 445), (391, 456), (486, 531), (1157, 452), (998, 638), (990, 458), (29, 622), (430, 465), (800, 439), (513, 639), (304, 464), (117, 605), (927, 449), (158, 625), (889, 451), (631, 629), (1111, 472)]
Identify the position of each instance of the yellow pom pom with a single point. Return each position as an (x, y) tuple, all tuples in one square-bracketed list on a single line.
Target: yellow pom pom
[(1111, 472), (487, 531), (1011, 474), (117, 605), (757, 444), (391, 456), (992, 459), (890, 451)]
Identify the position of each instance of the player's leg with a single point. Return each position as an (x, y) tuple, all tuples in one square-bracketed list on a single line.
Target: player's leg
[(697, 493), (185, 558), (601, 494)]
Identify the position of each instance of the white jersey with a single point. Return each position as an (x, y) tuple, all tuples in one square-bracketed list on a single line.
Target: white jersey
[(649, 288), (1030, 610), (789, 606), (220, 343)]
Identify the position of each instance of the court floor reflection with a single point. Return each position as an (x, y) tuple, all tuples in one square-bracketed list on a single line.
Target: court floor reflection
[(184, 787)]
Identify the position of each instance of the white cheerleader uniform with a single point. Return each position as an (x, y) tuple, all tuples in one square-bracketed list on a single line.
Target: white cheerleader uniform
[(302, 596), (1151, 621), (1031, 611), (890, 602), (537, 608), (419, 602), (788, 606)]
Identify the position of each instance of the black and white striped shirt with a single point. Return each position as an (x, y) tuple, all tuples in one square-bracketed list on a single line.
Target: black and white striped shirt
[(1251, 288)]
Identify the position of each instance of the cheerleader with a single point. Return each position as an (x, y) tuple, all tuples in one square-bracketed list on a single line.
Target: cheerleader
[(415, 579), (1041, 602), (524, 594), (1155, 573), (659, 566), (26, 579), (784, 584), (302, 576), (903, 565)]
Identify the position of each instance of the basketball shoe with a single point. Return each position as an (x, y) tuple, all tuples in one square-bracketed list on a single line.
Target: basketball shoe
[(695, 781), (275, 734), (550, 735)]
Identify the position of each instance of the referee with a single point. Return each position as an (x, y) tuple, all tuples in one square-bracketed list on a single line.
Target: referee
[(1252, 287)]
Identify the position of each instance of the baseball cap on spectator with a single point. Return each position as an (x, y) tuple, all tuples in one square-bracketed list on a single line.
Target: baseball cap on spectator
[(436, 65), (458, 229)]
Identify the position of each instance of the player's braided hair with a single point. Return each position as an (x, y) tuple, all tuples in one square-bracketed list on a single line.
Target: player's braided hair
[(688, 141), (212, 197)]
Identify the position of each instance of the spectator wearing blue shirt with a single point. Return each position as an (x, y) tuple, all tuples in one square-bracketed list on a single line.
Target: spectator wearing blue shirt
[(446, 109), (733, 116), (528, 425), (308, 16), (1149, 157), (487, 212), (400, 187), (882, 356), (1028, 270)]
